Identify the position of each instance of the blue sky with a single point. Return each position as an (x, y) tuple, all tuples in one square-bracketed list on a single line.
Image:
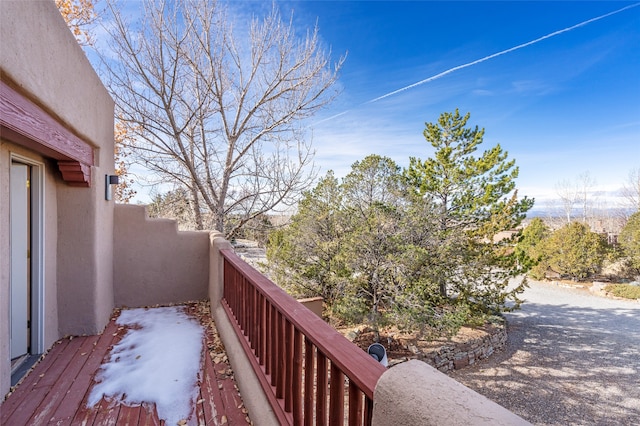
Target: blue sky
[(565, 102), (562, 106)]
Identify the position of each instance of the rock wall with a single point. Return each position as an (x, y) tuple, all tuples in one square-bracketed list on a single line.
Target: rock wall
[(466, 348), (455, 355)]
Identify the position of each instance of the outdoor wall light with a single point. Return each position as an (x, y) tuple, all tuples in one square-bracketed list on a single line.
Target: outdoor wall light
[(108, 181)]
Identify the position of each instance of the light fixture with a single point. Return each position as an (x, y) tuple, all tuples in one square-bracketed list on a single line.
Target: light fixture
[(108, 181)]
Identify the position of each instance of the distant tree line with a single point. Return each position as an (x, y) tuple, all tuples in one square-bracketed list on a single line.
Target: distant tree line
[(412, 247), (575, 251), (579, 200)]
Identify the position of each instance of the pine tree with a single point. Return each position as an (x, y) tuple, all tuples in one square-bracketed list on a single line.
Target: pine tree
[(630, 241), (529, 247), (304, 256), (475, 198)]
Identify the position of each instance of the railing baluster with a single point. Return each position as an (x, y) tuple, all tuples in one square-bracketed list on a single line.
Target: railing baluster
[(274, 346), (254, 314), (288, 366), (321, 390), (238, 295), (272, 327), (262, 330), (248, 296), (233, 291), (239, 288), (309, 375), (336, 396), (355, 405), (281, 356), (296, 386), (267, 337), (231, 287), (368, 410), (228, 282), (244, 304)]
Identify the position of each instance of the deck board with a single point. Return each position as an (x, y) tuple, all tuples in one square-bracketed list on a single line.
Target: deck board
[(212, 395), (53, 375), (106, 413), (148, 417), (129, 415), (57, 390), (29, 382), (232, 402), (46, 411), (78, 393)]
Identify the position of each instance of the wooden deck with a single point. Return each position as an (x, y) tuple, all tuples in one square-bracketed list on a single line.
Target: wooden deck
[(55, 392)]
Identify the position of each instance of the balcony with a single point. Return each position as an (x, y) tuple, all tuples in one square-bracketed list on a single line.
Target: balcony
[(57, 389)]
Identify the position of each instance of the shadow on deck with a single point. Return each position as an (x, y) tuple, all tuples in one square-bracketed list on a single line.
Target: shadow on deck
[(55, 392)]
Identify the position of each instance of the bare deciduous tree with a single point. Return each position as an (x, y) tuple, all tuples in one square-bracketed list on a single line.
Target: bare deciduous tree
[(80, 16), (124, 191), (568, 195), (580, 194), (584, 190), (631, 190), (218, 112)]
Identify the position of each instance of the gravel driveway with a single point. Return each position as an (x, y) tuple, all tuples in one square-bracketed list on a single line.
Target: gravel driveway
[(572, 359)]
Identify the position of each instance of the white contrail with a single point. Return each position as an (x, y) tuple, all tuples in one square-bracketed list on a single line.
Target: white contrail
[(332, 117), (486, 58)]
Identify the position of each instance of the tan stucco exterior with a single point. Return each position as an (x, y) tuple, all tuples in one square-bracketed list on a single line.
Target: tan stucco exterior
[(414, 393), (156, 264), (78, 222)]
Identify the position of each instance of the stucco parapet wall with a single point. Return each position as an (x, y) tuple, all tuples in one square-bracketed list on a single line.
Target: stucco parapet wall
[(154, 262), (414, 393)]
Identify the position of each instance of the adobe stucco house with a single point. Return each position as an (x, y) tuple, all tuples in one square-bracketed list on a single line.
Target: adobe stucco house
[(56, 146), (69, 255)]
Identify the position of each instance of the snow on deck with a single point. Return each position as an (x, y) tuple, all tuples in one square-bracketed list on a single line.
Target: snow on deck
[(157, 361)]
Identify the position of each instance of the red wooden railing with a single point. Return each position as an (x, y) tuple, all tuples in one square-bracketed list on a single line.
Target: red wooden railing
[(310, 373)]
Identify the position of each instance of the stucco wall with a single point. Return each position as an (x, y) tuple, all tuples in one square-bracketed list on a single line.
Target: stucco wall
[(57, 76), (414, 393), (40, 54), (156, 264), (41, 60)]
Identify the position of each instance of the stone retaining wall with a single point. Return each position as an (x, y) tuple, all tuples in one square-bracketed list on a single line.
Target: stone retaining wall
[(456, 355)]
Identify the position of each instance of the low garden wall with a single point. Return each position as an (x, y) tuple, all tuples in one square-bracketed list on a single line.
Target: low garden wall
[(459, 354), (466, 348)]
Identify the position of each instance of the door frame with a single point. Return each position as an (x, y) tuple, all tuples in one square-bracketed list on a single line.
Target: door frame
[(37, 250)]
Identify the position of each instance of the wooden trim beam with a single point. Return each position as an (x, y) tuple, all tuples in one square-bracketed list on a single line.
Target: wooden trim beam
[(75, 173), (25, 123)]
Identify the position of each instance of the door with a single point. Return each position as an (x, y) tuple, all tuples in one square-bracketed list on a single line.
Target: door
[(20, 287)]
